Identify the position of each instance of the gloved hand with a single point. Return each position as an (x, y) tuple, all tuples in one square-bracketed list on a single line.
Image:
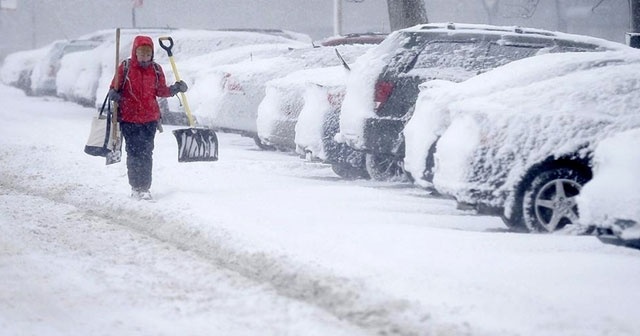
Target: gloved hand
[(179, 86), (114, 95)]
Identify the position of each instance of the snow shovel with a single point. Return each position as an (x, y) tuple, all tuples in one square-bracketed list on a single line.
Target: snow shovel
[(115, 143), (194, 144)]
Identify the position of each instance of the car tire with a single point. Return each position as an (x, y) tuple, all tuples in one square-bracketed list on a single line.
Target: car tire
[(382, 167), (349, 172), (549, 201), (263, 145)]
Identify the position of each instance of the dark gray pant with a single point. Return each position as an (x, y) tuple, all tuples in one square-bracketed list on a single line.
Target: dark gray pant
[(139, 142)]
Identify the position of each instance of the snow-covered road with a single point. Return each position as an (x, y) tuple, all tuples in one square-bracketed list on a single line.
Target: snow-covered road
[(66, 271), (266, 243)]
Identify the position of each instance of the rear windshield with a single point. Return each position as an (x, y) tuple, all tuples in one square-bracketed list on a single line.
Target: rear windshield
[(420, 51)]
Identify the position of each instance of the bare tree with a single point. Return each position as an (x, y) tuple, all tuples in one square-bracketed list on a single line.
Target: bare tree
[(406, 13)]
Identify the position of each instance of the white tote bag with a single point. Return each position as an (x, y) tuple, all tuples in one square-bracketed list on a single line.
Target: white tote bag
[(100, 135)]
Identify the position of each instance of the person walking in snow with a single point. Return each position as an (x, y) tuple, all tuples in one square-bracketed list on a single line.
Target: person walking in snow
[(139, 81)]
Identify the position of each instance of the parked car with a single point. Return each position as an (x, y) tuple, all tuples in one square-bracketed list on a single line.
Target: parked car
[(236, 90), (318, 123), (17, 67), (524, 152), (279, 109), (195, 70), (85, 76), (43, 76), (611, 201), (432, 116), (383, 86), (283, 102)]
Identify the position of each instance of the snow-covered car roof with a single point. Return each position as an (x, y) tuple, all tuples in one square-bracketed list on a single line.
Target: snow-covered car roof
[(454, 28), (495, 139), (353, 38), (611, 199)]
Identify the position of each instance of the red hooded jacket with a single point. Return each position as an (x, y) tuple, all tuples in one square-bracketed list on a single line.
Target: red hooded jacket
[(140, 88)]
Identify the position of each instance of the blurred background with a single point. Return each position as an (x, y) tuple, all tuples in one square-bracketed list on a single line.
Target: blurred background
[(28, 24)]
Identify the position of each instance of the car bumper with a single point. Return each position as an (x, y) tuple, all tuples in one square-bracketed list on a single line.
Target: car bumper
[(378, 135)]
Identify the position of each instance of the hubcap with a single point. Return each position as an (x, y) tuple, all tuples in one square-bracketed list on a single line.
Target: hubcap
[(555, 204)]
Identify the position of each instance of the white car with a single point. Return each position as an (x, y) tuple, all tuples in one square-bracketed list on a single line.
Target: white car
[(43, 77), (17, 67), (383, 87), (319, 122), (236, 90), (281, 109), (611, 201), (524, 151)]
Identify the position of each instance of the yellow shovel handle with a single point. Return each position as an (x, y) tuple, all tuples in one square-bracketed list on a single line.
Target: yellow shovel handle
[(177, 75)]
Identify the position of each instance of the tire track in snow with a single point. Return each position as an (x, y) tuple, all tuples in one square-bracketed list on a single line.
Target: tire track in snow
[(344, 298)]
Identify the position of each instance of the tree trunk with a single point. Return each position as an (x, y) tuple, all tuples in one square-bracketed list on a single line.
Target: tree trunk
[(406, 13), (635, 16), (634, 35)]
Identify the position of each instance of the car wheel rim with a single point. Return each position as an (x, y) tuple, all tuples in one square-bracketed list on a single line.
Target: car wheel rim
[(555, 204)]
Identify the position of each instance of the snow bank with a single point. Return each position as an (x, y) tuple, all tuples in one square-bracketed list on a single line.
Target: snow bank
[(613, 193)]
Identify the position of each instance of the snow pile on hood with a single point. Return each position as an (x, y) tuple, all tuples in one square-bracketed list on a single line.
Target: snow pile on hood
[(613, 193)]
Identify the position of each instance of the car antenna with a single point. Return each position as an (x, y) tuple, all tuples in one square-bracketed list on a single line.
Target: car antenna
[(344, 63)]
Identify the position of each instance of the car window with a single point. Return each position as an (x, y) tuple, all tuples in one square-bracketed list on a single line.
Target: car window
[(500, 54), (404, 48), (446, 54)]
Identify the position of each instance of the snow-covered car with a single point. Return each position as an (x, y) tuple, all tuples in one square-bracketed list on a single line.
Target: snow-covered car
[(85, 77), (611, 201), (236, 90), (43, 77), (432, 117), (524, 152), (195, 70), (383, 86), (319, 122), (279, 110), (17, 67)]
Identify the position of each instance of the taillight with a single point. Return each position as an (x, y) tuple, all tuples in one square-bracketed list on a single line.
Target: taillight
[(230, 84), (382, 93)]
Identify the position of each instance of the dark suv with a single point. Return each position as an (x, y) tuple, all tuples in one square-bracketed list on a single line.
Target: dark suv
[(383, 86)]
